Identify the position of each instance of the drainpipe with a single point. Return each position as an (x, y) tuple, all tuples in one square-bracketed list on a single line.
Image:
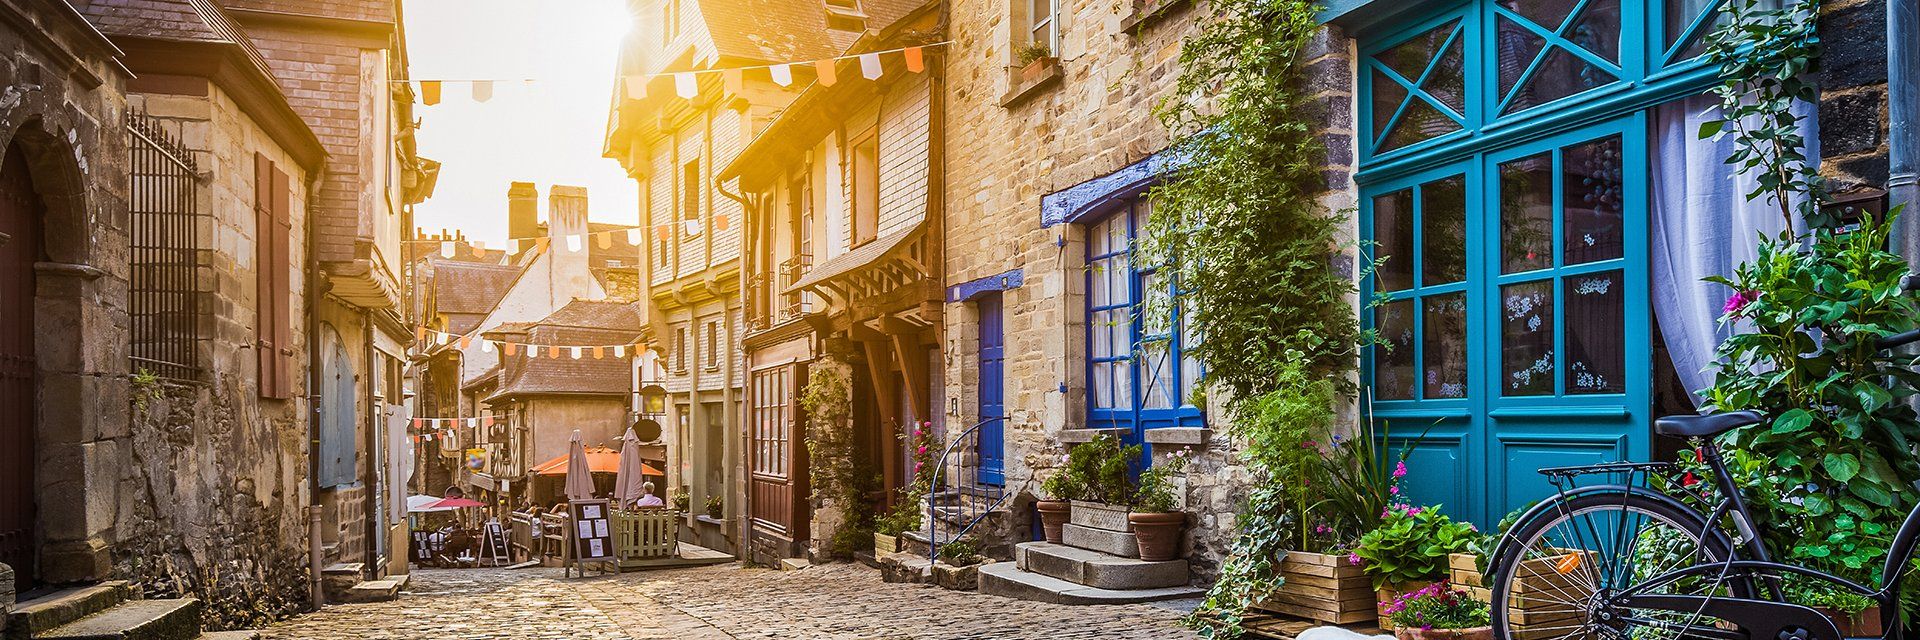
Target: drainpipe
[(371, 380), (315, 558), (1903, 135)]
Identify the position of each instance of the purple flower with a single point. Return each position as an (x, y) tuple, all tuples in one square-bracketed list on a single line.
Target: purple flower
[(1739, 300), (1353, 558), (1400, 470)]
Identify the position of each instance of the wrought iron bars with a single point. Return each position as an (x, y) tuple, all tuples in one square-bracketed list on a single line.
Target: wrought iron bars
[(163, 199), (957, 500)]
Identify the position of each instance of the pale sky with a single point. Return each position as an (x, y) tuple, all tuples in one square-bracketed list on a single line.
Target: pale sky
[(547, 132)]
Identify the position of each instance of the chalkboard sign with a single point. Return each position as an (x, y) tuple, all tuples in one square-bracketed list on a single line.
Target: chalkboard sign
[(493, 545), (591, 531), (422, 547)]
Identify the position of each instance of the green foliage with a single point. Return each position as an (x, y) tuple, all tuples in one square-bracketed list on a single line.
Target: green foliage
[(683, 499), (1251, 572), (962, 552), (908, 511), (1158, 492), (1483, 547), (1035, 51), (834, 466), (1765, 55), (1101, 468), (1439, 606), (1816, 593), (1066, 483), (716, 507), (1835, 469), (147, 388), (1412, 545)]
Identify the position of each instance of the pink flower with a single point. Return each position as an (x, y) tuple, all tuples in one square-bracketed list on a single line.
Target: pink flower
[(1353, 558), (1395, 489), (1400, 470), (923, 448), (1739, 300), (1413, 511)]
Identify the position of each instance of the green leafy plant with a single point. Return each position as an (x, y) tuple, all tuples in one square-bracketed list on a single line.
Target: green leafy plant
[(1104, 464), (716, 507), (834, 466), (1412, 545), (147, 388), (1765, 50), (908, 509), (1065, 483), (1033, 51), (1439, 606), (1158, 491), (683, 499), (1818, 593)]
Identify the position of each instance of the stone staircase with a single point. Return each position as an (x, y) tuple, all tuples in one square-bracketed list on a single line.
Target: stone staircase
[(342, 583), (1092, 566), (109, 611)]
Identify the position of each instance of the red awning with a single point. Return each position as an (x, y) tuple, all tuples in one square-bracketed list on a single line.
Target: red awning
[(599, 460)]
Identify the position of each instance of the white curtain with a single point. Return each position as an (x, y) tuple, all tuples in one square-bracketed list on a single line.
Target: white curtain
[(1702, 225)]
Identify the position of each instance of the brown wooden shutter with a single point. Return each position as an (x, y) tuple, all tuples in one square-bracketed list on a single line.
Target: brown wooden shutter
[(263, 255), (282, 298)]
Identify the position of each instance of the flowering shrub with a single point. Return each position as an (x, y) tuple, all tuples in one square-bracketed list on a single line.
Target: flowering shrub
[(907, 511), (1411, 545), (1156, 493), (1438, 606)]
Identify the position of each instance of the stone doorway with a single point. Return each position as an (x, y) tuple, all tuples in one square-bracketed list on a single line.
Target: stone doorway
[(20, 213)]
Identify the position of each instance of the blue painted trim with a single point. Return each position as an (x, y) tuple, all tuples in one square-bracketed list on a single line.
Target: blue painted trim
[(969, 290), (1100, 195)]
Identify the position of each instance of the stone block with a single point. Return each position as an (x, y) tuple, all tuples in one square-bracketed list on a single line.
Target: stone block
[(1118, 543), (1850, 123), (954, 578), (1078, 436), (905, 567), (75, 561), (1186, 436), (1099, 570)]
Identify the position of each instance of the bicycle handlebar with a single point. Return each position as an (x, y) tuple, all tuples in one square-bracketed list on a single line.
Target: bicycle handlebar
[(1908, 283)]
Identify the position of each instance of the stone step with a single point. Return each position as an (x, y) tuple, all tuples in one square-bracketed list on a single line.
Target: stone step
[(1007, 580), (1119, 543), (170, 619), (248, 634), (1099, 570), (65, 606), (376, 590)]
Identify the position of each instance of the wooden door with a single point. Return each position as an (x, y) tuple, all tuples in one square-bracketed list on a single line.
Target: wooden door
[(993, 404), (777, 473), (19, 249)]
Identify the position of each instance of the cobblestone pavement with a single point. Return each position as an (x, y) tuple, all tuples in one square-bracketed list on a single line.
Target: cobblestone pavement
[(829, 601)]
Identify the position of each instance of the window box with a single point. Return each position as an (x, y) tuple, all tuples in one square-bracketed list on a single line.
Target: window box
[(1031, 79), (1100, 515)]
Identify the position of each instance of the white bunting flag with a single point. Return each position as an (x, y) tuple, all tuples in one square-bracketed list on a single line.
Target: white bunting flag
[(782, 74), (686, 85), (482, 90), (486, 346), (574, 243), (636, 87), (576, 353), (634, 236), (870, 66), (446, 249), (619, 351)]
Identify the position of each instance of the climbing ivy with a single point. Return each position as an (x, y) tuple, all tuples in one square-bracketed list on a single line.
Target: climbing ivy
[(1240, 225), (834, 466)]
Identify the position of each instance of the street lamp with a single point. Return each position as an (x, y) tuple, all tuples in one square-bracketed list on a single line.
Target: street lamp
[(653, 400)]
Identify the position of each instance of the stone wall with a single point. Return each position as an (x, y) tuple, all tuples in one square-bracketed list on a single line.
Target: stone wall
[(212, 500), (1853, 95)]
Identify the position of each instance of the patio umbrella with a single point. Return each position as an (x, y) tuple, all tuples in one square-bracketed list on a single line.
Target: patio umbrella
[(457, 503), (579, 471), (424, 504), (626, 485)]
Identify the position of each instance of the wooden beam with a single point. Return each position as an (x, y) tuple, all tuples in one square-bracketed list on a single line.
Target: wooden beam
[(877, 371), (913, 367)]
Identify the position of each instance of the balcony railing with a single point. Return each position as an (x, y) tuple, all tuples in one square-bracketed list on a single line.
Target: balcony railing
[(794, 304)]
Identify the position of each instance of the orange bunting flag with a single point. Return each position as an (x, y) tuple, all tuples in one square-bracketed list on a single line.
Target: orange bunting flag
[(663, 232), (720, 222), (636, 87), (870, 66), (540, 244), (599, 353), (824, 68), (639, 350), (430, 92), (605, 239), (420, 334), (507, 348), (916, 63), (731, 79), (465, 341), (479, 250), (553, 351)]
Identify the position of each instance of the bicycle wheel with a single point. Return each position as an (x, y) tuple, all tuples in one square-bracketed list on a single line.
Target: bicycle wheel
[(1557, 575)]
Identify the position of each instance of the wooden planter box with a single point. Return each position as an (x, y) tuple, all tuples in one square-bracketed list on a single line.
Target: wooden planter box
[(885, 544), (1322, 587), (1100, 515), (1537, 576)]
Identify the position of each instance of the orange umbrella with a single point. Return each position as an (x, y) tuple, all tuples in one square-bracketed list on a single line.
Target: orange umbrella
[(599, 460)]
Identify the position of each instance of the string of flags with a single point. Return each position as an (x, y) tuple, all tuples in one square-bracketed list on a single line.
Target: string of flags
[(686, 84), (551, 351), (445, 429), (574, 243)]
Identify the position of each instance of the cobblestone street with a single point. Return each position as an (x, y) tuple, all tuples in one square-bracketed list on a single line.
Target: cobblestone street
[(830, 601)]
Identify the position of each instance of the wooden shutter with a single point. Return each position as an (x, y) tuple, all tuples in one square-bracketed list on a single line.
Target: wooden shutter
[(282, 299), (266, 349)]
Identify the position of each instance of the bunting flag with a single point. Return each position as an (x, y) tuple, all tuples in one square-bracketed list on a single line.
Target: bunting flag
[(870, 66), (823, 72), (780, 74), (430, 92), (551, 351), (482, 90)]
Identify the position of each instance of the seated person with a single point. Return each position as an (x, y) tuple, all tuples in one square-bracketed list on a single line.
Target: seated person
[(647, 499)]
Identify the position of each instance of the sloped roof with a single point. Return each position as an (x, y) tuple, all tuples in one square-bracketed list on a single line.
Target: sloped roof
[(470, 287), (595, 372), (183, 20)]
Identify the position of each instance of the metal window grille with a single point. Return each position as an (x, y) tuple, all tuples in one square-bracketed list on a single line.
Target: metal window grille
[(164, 203)]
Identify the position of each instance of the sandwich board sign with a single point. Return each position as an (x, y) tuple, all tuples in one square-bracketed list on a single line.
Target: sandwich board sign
[(591, 535)]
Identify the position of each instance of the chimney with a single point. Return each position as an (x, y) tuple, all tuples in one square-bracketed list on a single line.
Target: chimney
[(523, 202), (567, 226)]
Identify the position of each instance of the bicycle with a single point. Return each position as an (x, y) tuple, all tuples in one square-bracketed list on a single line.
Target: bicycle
[(1627, 561)]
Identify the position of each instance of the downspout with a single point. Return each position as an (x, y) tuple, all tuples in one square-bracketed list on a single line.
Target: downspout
[(370, 381), (1903, 136), (315, 558)]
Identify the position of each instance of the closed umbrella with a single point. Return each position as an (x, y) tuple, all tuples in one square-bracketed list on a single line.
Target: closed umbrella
[(579, 472), (626, 485)]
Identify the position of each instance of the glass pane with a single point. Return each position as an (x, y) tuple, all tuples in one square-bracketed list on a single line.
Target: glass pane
[(1120, 331), (1596, 361), (1591, 211), (1156, 377), (1443, 227), (1449, 81), (1443, 343), (1103, 385), (1681, 14), (1517, 48), (1393, 240), (1102, 339), (1526, 214), (1119, 275), (1410, 58), (1598, 29), (1393, 374), (1420, 122), (1388, 95), (1157, 298), (1546, 13), (1097, 284), (1526, 338), (1189, 363), (1122, 385), (1561, 74)]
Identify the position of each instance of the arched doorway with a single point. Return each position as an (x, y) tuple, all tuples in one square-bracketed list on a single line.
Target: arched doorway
[(20, 242)]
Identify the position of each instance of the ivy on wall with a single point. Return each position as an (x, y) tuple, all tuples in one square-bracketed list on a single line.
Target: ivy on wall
[(1253, 250), (835, 470)]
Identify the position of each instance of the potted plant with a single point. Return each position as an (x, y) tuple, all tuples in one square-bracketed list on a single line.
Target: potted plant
[(1033, 60), (1064, 486), (1157, 523), (1439, 612), (1409, 551), (1105, 463), (716, 508), (1856, 615)]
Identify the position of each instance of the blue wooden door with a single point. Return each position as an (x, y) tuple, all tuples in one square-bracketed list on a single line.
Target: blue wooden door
[(1513, 316), (993, 404)]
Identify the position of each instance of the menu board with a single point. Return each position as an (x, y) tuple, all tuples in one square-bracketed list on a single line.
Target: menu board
[(494, 544), (422, 546), (592, 531)]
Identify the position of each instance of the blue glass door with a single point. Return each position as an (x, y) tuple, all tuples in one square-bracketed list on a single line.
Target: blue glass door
[(992, 445)]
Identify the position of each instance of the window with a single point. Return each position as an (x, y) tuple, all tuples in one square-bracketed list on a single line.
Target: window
[(165, 288), (866, 188), (680, 350), (690, 195), (712, 355), (1139, 376), (845, 15), (670, 20), (772, 413), (1042, 28)]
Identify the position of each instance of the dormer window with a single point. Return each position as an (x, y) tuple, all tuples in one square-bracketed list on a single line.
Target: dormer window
[(845, 15)]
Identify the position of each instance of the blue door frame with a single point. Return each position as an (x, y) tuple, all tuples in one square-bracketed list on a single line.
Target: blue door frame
[(993, 408), (1552, 365)]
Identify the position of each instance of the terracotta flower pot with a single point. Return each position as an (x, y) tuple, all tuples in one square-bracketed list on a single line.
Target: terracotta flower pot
[(1158, 534), (1053, 513), (1859, 625), (1417, 633)]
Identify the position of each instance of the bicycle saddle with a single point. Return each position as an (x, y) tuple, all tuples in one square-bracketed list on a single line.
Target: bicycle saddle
[(1705, 426)]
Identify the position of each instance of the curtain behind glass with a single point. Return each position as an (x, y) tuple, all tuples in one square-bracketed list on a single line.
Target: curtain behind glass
[(1702, 225)]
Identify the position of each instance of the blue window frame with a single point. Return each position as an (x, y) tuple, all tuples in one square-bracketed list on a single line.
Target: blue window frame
[(1504, 196), (1139, 375)]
